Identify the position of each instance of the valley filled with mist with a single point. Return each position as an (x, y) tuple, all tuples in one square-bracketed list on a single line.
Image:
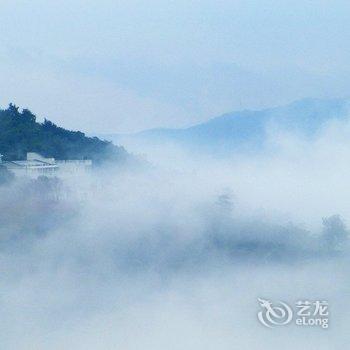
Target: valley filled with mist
[(174, 253)]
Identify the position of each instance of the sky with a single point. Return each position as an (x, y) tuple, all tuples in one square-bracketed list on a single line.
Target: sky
[(123, 66)]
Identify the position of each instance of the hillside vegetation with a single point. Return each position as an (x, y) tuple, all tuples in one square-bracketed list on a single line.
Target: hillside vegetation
[(21, 133)]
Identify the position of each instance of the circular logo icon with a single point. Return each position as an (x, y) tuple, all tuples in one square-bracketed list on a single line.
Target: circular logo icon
[(274, 315)]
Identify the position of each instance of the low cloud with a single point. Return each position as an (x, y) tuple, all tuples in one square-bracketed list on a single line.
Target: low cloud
[(172, 257)]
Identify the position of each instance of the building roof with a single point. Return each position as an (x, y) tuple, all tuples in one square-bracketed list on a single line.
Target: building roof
[(28, 164), (36, 161)]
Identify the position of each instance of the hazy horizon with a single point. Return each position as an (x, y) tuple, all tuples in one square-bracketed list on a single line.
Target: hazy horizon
[(128, 66)]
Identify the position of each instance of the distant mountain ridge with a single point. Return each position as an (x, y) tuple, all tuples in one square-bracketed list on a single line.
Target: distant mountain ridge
[(248, 128)]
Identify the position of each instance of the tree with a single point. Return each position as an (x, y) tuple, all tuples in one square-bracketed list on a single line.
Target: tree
[(21, 133), (335, 233)]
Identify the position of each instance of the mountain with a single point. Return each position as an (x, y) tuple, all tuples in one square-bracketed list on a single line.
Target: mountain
[(21, 133), (247, 129)]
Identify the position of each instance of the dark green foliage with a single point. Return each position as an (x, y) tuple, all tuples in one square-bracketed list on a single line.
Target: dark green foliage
[(20, 133)]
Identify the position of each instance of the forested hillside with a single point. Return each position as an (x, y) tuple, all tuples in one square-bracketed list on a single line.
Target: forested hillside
[(21, 133)]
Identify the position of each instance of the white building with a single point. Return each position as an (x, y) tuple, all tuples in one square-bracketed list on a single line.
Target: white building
[(36, 165), (74, 166)]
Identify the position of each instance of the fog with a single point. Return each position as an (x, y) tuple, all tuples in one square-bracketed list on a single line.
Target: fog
[(175, 255)]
